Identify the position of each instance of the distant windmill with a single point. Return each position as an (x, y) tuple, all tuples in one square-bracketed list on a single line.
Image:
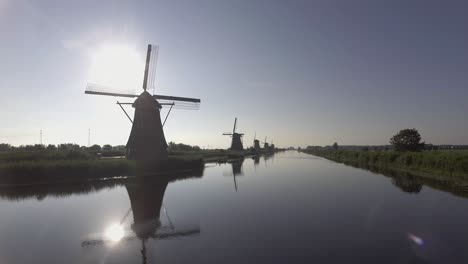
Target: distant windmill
[(265, 144), (147, 142), (236, 143), (256, 142)]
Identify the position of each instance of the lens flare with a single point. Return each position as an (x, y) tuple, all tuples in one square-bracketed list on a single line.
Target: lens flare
[(114, 233), (417, 240)]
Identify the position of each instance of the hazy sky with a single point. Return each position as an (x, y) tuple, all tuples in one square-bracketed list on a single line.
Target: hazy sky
[(300, 72)]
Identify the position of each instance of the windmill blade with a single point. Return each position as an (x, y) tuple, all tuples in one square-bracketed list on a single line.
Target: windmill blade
[(227, 134), (176, 98), (148, 58), (176, 234), (96, 89), (179, 102), (152, 67), (160, 235), (235, 123)]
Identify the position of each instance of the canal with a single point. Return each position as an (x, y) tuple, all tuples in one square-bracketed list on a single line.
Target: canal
[(286, 208)]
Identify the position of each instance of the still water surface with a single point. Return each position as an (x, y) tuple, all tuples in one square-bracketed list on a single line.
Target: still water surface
[(291, 207)]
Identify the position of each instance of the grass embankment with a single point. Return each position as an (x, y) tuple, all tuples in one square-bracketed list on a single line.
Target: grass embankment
[(72, 165), (427, 163)]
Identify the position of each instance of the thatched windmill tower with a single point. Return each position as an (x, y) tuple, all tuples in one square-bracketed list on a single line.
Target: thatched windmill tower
[(147, 143), (236, 143)]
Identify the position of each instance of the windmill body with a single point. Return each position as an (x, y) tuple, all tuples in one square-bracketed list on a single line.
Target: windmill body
[(256, 144), (236, 143), (147, 143)]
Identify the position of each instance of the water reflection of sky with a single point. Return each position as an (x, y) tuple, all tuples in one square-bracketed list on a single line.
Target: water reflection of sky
[(287, 208)]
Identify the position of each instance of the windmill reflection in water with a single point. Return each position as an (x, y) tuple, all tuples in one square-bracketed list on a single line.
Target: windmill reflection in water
[(146, 196)]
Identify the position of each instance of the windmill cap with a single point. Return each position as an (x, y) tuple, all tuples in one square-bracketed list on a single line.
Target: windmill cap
[(146, 100)]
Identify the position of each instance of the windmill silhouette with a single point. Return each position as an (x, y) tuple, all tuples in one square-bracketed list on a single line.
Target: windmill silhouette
[(236, 143), (256, 143), (266, 146), (147, 142)]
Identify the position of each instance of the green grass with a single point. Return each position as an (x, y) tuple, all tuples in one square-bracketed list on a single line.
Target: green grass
[(17, 156), (449, 163), (53, 170), (71, 165)]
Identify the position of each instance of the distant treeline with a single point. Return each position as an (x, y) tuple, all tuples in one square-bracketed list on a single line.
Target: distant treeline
[(62, 147), (104, 149)]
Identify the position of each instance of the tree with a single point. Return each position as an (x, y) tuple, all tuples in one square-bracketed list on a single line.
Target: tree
[(407, 140), (335, 146), (107, 148), (5, 147), (95, 148), (51, 147)]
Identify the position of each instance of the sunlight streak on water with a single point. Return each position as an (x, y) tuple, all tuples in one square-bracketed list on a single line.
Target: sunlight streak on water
[(114, 233)]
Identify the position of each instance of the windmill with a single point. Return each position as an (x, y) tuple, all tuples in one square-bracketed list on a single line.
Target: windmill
[(236, 143), (266, 146), (147, 143), (256, 143), (272, 146)]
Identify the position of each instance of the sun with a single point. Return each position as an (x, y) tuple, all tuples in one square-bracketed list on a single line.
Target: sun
[(117, 66), (114, 233)]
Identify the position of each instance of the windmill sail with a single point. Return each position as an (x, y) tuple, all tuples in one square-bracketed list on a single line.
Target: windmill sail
[(152, 67), (92, 88), (164, 100)]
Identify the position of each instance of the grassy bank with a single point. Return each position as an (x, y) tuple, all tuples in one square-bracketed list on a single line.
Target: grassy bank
[(413, 183), (74, 165), (439, 163)]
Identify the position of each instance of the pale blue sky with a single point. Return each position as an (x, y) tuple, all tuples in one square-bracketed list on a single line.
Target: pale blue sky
[(300, 72)]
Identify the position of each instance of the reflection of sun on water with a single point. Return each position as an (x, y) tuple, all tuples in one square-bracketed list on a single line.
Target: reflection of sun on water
[(118, 67), (114, 233)]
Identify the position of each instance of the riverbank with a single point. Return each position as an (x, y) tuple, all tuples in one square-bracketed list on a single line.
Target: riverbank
[(438, 164), (58, 166)]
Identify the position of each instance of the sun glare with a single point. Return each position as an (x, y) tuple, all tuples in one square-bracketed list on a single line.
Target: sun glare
[(114, 233), (118, 67)]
